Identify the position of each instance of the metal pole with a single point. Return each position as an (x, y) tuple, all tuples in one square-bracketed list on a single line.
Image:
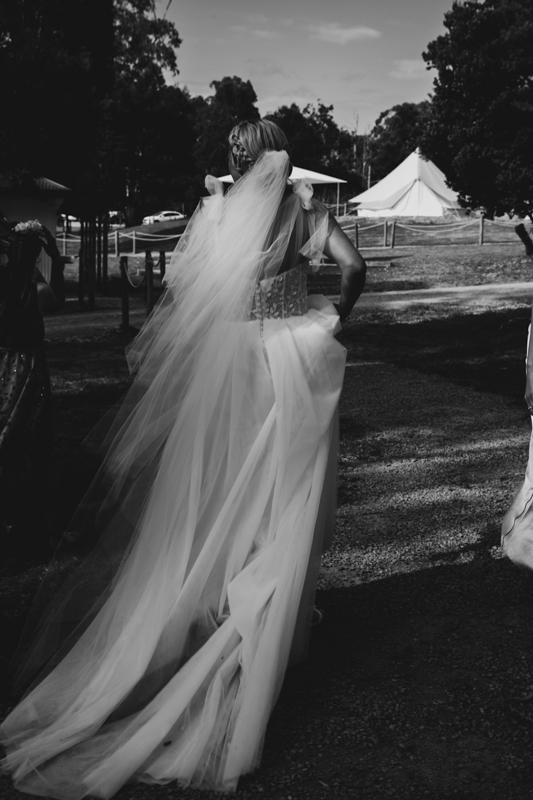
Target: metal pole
[(149, 275), (105, 250), (338, 197), (81, 264), (356, 235), (91, 262), (481, 226), (125, 326), (99, 253), (162, 265)]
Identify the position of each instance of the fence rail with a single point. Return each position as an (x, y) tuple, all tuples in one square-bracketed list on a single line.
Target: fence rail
[(130, 243), (383, 234), (394, 233)]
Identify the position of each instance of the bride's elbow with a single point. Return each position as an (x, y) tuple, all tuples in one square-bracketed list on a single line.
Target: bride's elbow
[(356, 268)]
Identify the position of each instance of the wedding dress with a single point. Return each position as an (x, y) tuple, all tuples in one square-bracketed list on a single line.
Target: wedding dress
[(165, 652), (517, 524)]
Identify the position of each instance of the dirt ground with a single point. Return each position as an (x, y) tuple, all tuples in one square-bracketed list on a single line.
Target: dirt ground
[(416, 677)]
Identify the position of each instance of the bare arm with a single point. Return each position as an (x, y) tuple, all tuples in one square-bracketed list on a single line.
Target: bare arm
[(51, 296), (57, 281), (528, 397), (47, 299), (352, 265)]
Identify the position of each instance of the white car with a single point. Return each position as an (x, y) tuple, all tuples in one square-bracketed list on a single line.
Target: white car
[(163, 216)]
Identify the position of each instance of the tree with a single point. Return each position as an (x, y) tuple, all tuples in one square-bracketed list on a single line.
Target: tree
[(318, 143), (146, 132), (56, 65), (396, 133), (481, 128), (85, 100), (233, 100)]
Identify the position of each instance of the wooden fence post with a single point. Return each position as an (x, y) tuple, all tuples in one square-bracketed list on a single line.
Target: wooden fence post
[(91, 262), (356, 235), (99, 253), (481, 226), (81, 268), (115, 235), (133, 241), (385, 234), (392, 233), (149, 278), (105, 249), (125, 326), (162, 265)]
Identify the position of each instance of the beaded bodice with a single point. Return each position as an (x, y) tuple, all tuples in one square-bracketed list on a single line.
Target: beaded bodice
[(283, 296)]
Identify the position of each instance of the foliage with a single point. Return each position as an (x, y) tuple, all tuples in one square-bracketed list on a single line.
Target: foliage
[(396, 133), (481, 129), (55, 62), (146, 134), (144, 44), (233, 100), (318, 143)]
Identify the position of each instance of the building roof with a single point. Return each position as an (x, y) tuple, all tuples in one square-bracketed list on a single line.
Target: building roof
[(41, 184)]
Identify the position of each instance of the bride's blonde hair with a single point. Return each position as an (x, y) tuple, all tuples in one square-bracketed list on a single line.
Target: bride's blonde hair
[(250, 138)]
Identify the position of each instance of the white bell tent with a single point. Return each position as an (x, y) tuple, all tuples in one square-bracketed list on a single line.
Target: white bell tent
[(416, 188), (298, 173)]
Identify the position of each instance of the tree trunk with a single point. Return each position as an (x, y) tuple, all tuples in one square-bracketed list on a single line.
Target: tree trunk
[(525, 238)]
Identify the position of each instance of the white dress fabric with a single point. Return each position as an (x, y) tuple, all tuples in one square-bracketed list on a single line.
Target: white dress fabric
[(517, 524), (221, 469)]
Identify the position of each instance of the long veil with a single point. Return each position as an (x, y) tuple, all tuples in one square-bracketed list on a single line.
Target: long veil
[(176, 412), (162, 654)]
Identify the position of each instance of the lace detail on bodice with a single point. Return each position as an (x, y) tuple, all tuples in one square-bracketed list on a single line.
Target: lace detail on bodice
[(282, 296)]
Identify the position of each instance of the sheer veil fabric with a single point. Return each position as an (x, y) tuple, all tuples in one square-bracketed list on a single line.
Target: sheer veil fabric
[(163, 654)]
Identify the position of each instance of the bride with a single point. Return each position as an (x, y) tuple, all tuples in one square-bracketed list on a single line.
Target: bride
[(163, 654)]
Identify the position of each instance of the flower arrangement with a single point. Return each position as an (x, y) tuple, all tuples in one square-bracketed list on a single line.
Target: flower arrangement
[(31, 226)]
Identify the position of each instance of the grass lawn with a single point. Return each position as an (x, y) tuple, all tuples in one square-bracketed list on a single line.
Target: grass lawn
[(424, 623)]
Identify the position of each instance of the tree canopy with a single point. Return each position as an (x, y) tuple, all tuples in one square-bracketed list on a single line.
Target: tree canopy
[(318, 143), (396, 133), (233, 100), (56, 65), (481, 127), (87, 101)]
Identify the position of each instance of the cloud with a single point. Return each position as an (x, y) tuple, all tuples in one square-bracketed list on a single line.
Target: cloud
[(259, 33), (264, 68), (408, 69), (352, 76), (255, 19), (334, 33)]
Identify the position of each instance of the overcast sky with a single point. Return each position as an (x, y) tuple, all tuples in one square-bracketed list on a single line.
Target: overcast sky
[(361, 56)]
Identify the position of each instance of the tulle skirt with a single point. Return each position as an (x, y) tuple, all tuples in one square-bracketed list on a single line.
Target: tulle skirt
[(517, 525), (176, 675)]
